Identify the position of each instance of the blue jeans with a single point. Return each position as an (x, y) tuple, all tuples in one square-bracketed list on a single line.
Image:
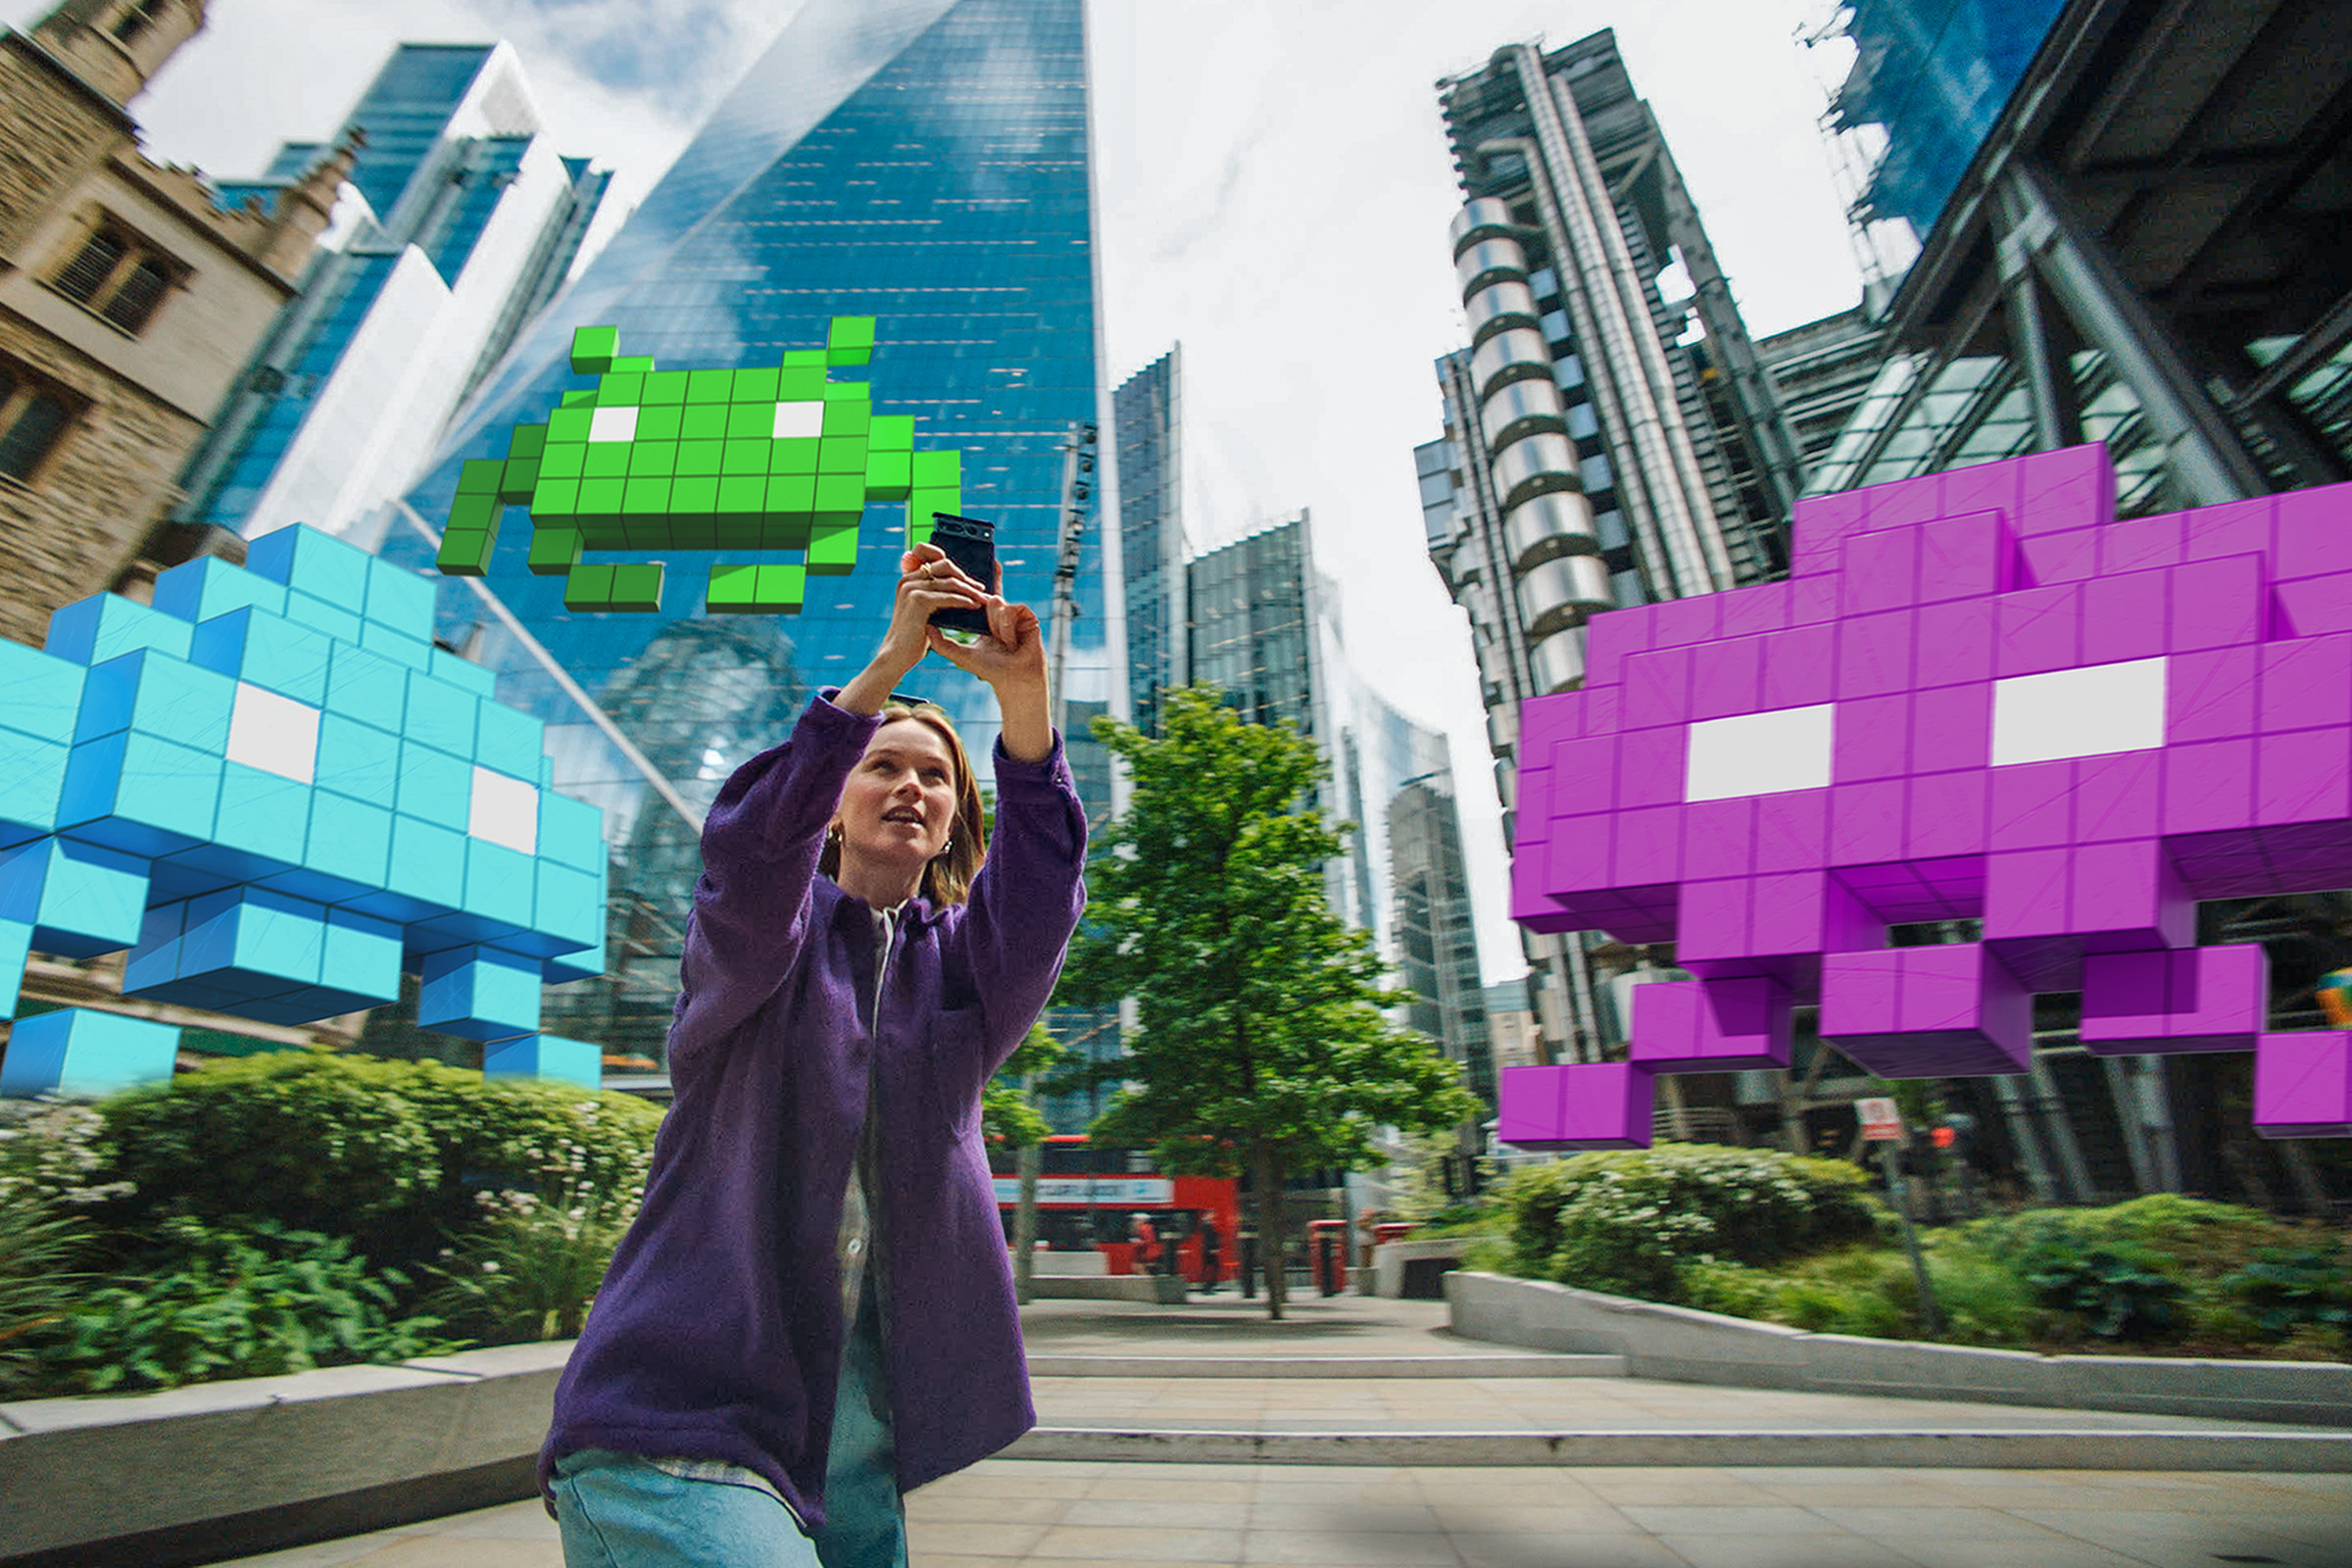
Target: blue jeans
[(618, 1512)]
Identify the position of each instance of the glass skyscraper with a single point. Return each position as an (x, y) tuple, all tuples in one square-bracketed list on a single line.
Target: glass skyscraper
[(921, 162)]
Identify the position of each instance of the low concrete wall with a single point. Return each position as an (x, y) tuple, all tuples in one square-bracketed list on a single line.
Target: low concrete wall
[(1415, 1266), (1679, 1344), (1164, 1289), (218, 1469)]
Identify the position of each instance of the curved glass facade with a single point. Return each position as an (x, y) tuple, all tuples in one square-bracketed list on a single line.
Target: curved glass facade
[(925, 164)]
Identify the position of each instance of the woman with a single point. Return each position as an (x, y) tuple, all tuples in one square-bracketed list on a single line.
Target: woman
[(814, 1312)]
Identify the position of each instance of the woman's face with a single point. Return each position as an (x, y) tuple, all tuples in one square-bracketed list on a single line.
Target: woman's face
[(897, 809)]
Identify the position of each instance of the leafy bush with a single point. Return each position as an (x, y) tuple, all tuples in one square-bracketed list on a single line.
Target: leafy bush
[(249, 1301), (1628, 1220), (2286, 1289), (1870, 1291), (2118, 1293), (531, 1267), (51, 1156)]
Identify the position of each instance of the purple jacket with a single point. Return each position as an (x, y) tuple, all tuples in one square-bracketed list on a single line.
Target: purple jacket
[(717, 1332)]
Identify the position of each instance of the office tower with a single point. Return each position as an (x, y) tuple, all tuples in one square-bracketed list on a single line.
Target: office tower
[(1151, 541), (127, 300), (1257, 614), (925, 163), (1822, 370), (464, 222)]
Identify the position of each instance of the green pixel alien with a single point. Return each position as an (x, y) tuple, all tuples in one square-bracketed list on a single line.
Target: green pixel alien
[(775, 458)]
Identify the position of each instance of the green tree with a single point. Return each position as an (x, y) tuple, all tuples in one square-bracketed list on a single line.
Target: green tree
[(1262, 1043)]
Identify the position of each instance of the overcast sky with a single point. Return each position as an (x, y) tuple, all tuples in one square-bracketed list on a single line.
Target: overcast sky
[(1275, 190)]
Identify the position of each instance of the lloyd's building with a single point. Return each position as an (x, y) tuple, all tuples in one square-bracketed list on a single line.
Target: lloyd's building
[(925, 163)]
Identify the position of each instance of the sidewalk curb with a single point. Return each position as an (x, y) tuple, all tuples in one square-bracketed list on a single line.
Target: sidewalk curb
[(1540, 1365)]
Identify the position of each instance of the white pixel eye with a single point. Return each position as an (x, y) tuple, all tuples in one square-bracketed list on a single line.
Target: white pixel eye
[(800, 419), (1760, 753), (612, 424), (276, 734), (2078, 713), (504, 811)]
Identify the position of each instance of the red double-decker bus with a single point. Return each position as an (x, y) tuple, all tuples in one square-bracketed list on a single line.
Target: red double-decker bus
[(1089, 1193)]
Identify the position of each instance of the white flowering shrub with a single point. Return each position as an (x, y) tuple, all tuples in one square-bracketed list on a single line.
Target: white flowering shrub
[(53, 1167), (1628, 1220)]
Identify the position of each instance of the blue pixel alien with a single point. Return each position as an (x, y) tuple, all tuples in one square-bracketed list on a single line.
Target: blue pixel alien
[(278, 795)]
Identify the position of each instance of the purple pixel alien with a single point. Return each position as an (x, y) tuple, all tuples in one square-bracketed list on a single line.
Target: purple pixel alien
[(1977, 696)]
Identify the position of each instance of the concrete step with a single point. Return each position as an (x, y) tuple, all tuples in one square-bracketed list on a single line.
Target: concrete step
[(2019, 1449), (1528, 1364)]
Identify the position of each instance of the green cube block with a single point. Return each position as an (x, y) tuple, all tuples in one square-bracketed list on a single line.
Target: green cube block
[(476, 512), (850, 334), (606, 459), (635, 363), (802, 384), (784, 530), (665, 387), (756, 385), (891, 432), (793, 454), (569, 425), (832, 549), (848, 392), (637, 585), (526, 441), (703, 422), (783, 588), (660, 424), (745, 457), (619, 391), (555, 551), (734, 591), (847, 418), (887, 477), (710, 386), (698, 531), (695, 495), (792, 493), (841, 454), (465, 553), (590, 587), (593, 349), (480, 476), (647, 496), (652, 458), (519, 477), (554, 498), (738, 533), (936, 470), (700, 457), (581, 399), (563, 462), (804, 359), (840, 492), (742, 495), (600, 498), (752, 421)]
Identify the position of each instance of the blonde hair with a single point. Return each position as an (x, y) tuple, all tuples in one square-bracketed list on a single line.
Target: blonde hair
[(947, 878)]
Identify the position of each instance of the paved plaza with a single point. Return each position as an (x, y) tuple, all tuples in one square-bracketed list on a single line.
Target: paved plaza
[(1118, 1367)]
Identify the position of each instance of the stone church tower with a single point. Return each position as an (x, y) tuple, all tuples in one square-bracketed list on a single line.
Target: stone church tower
[(130, 302)]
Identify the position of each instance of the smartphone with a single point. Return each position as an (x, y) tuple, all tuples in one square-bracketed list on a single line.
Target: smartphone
[(971, 544)]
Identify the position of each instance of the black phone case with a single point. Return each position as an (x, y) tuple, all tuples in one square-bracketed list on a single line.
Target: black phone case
[(971, 544)]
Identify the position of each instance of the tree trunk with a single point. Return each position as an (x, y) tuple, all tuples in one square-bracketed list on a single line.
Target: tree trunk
[(1032, 1159), (1265, 1177)]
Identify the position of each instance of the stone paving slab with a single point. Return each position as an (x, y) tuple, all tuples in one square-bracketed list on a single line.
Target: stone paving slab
[(1021, 1514)]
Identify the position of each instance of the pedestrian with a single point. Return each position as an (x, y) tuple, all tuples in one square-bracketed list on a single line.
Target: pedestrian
[(1146, 1243), (813, 1311), (1209, 1240)]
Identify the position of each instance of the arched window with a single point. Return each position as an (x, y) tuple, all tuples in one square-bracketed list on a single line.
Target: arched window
[(32, 419), (118, 275)]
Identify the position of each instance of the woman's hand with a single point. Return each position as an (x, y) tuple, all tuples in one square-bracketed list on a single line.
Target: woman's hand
[(1011, 660), (927, 581)]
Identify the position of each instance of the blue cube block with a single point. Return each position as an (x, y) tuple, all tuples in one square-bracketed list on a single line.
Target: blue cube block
[(400, 600), (264, 814), (570, 910), (398, 644), (105, 626), (154, 693), (323, 616), (312, 563), (357, 760), (547, 772), (16, 949), (508, 741), (427, 873), (81, 1052), (463, 674), (32, 783), (268, 651), (366, 686), (80, 900), (208, 586), (249, 943), (434, 786), (479, 993), (571, 832), (40, 694), (154, 959), (588, 963), (143, 796), (499, 885), (348, 853), (441, 716), (360, 955), (549, 1057)]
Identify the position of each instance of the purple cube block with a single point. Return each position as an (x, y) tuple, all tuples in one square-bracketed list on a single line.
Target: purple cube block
[(1713, 932), (2314, 606), (2119, 797), (1966, 556), (1578, 859), (2233, 528), (2140, 543), (1799, 668), (2312, 533), (2219, 604), (2051, 559), (1545, 721), (1725, 676), (2069, 488), (2026, 893), (2211, 695), (1906, 503), (1608, 642), (1658, 687), (2209, 787), (1879, 572), (1527, 1103), (1874, 654), (1719, 838), (1802, 914), (2304, 777), (1813, 599), (1955, 1010), (2306, 684), (1951, 727), (1982, 487), (2123, 616), (1947, 813), (1711, 1025), (1686, 622), (1648, 849), (1872, 739), (2303, 1085), (1650, 764), (2126, 896), (2031, 806), (1955, 642), (1587, 1106), (1793, 831), (2040, 629), (2197, 999), (1866, 821), (1583, 776), (1751, 611)]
